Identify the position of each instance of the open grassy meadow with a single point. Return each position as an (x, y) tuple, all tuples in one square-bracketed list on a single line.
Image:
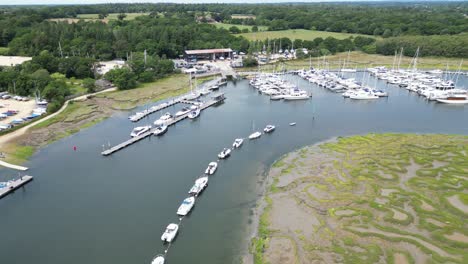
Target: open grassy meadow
[(112, 16), (297, 34)]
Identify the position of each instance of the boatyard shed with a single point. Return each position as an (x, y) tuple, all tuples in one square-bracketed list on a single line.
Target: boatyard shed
[(207, 54)]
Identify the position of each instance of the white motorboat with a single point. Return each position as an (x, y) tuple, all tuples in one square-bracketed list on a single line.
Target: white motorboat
[(455, 98), (199, 185), (363, 95), (292, 123), (255, 135), (182, 112), (225, 153), (238, 142), (170, 233), (159, 259), (160, 130), (211, 168), (269, 129), (138, 131), (186, 206), (296, 95), (164, 119), (277, 97), (194, 113)]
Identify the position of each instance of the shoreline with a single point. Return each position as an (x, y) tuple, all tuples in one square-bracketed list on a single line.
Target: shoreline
[(262, 204), (84, 112), (283, 241)]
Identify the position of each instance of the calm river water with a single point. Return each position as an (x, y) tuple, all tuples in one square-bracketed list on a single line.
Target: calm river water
[(86, 208)]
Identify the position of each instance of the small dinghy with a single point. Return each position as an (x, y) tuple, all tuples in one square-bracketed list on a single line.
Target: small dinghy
[(269, 129), (238, 143), (225, 153), (211, 168), (159, 259), (255, 135), (170, 233)]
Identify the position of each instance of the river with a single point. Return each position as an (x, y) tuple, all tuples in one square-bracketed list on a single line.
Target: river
[(86, 208)]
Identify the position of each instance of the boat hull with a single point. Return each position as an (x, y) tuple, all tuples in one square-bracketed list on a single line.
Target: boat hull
[(458, 102)]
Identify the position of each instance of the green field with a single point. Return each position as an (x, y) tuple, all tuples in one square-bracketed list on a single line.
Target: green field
[(227, 26), (298, 34), (113, 16)]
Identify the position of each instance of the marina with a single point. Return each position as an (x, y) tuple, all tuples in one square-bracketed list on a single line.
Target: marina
[(216, 100), (163, 183)]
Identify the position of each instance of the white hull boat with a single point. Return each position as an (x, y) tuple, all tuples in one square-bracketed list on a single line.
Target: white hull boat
[(269, 129), (277, 97), (292, 124), (296, 95), (138, 131), (238, 143), (211, 168), (182, 112), (170, 233), (199, 185), (163, 120), (451, 101), (255, 135), (225, 153), (160, 130), (194, 113), (159, 259), (186, 206)]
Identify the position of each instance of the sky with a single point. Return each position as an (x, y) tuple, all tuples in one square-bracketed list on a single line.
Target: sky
[(61, 2)]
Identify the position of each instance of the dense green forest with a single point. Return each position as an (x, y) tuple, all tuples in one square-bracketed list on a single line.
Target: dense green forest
[(385, 19)]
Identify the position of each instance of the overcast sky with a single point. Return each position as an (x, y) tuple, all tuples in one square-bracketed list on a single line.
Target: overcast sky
[(62, 2)]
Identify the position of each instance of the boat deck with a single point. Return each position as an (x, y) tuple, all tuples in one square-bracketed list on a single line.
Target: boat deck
[(144, 135), (15, 184)]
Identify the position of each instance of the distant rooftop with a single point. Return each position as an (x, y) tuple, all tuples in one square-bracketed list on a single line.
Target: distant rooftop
[(207, 51)]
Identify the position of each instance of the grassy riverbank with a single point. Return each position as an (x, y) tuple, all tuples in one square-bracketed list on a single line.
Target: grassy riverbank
[(83, 114), (361, 199)]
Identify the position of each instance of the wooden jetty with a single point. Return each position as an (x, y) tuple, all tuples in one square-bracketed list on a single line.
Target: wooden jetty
[(215, 100), (14, 184)]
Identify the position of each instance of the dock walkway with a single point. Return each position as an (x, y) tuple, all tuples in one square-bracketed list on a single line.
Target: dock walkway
[(156, 108), (14, 184), (12, 166), (142, 136)]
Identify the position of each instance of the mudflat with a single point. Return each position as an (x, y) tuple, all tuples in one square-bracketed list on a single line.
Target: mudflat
[(329, 203)]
